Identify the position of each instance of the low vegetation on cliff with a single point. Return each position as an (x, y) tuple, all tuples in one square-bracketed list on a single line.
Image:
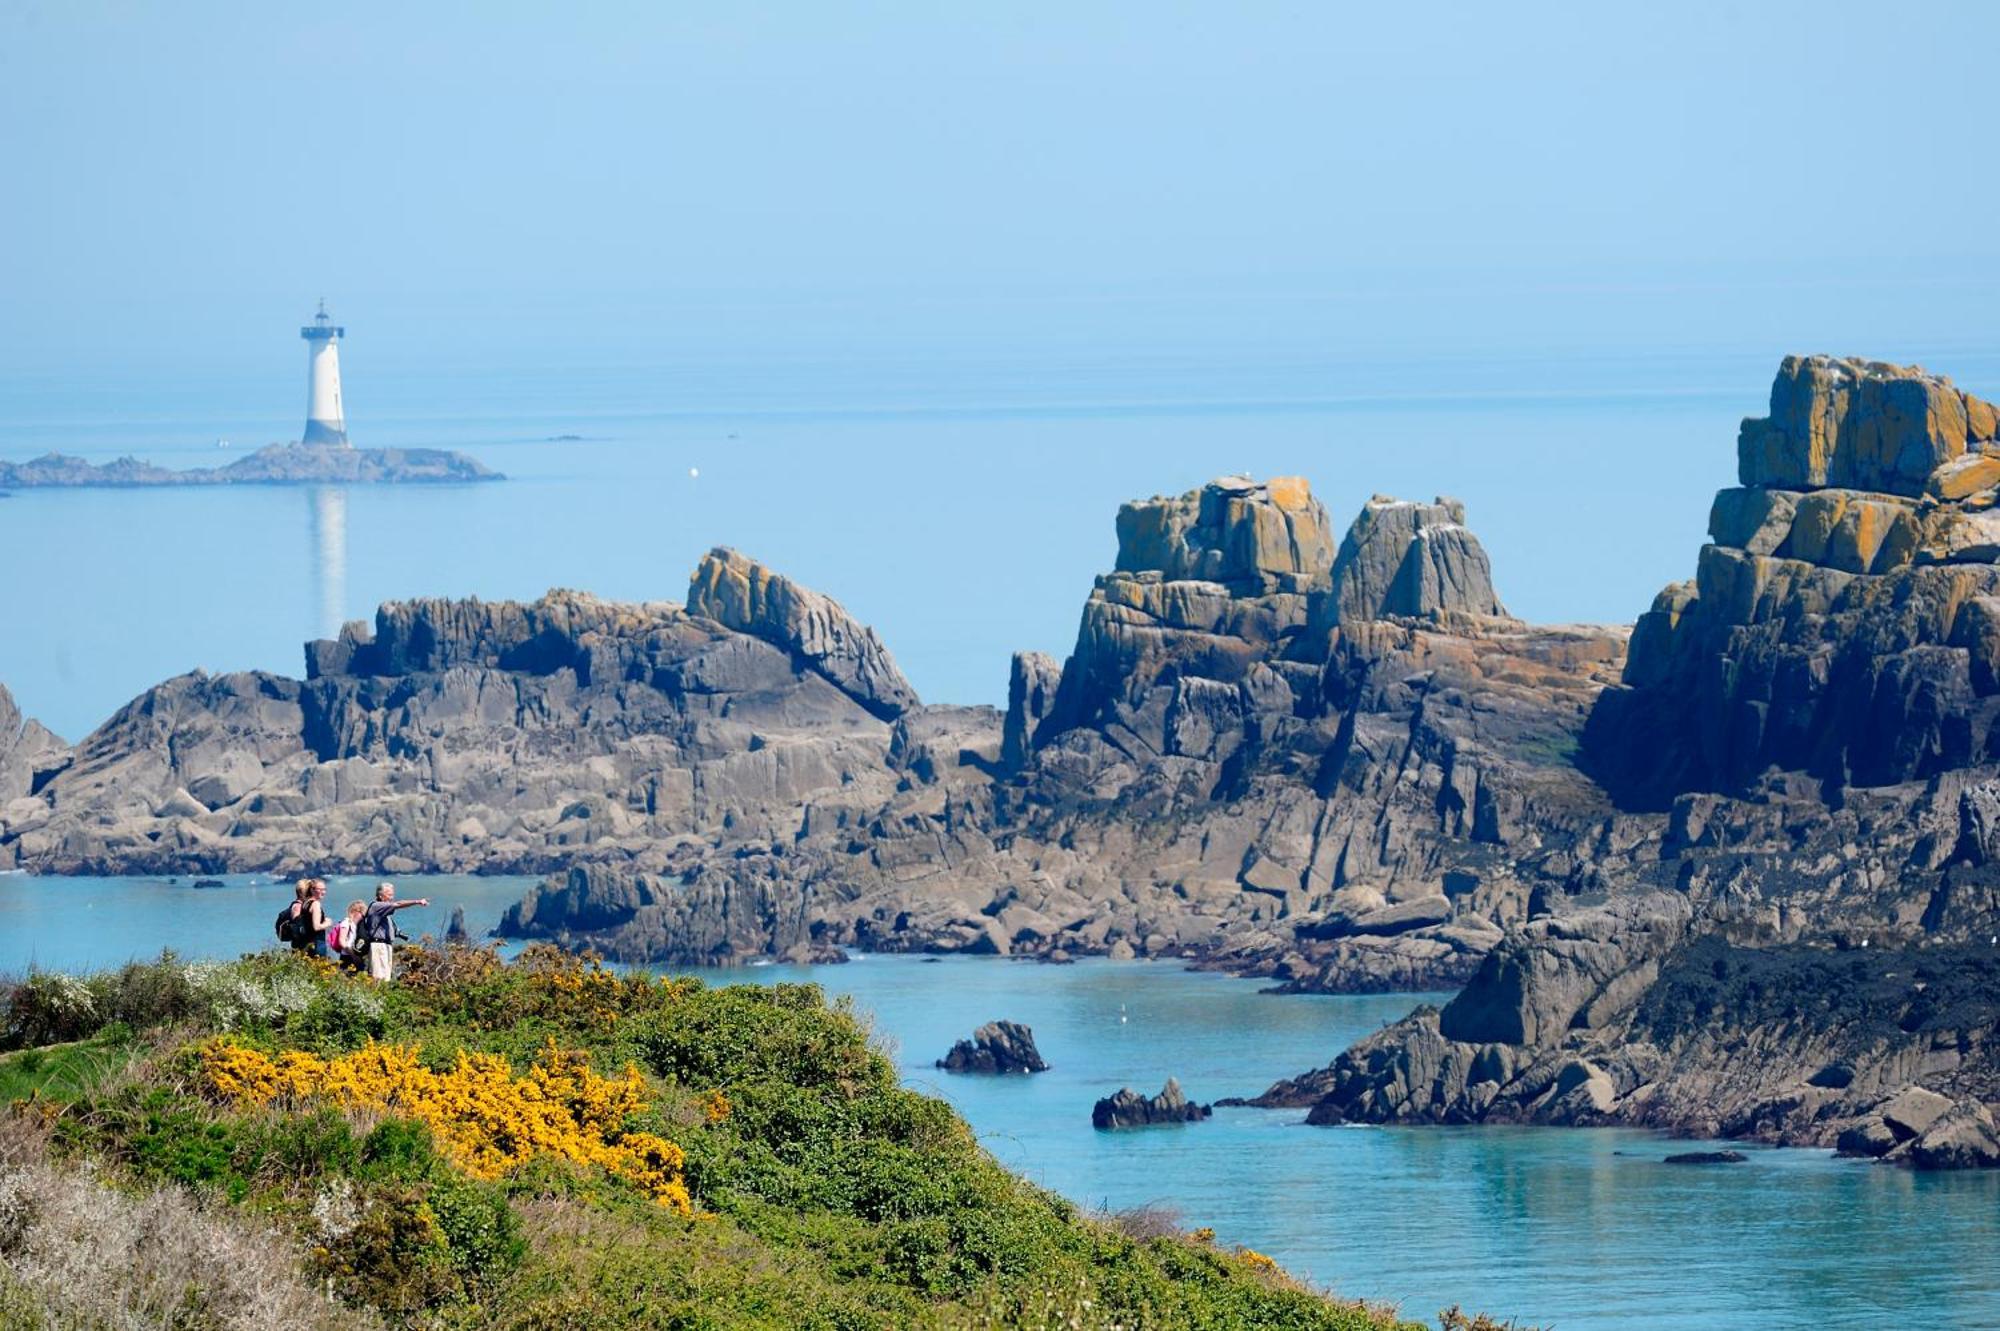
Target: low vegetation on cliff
[(541, 1144)]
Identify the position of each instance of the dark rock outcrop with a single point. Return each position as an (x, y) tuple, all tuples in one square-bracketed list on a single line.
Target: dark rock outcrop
[(1129, 1109), (1706, 1158), (998, 1047)]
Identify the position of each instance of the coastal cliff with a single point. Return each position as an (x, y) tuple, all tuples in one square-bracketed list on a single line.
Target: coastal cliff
[(1808, 945)]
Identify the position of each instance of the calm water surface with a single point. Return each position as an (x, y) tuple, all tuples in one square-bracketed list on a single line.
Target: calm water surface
[(1578, 1230)]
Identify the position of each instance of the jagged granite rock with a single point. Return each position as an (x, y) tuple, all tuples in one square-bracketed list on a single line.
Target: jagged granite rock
[(274, 464), (1966, 1137), (465, 736), (1129, 1109), (1862, 425), (1851, 587), (28, 751), (1205, 586), (1405, 559), (1255, 536), (739, 593), (1804, 952), (997, 1048), (721, 912), (1032, 680)]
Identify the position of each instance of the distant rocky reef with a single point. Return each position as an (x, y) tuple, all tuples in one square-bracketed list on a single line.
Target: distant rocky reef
[(274, 464)]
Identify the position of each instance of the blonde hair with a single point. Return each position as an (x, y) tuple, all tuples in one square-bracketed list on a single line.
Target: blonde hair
[(303, 889), (356, 908)]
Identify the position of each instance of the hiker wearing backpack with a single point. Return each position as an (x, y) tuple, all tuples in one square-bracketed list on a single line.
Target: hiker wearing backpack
[(343, 940), (303, 923), (378, 929)]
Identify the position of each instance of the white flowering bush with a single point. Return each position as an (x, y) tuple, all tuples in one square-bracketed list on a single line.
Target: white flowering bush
[(236, 997), (48, 1009)]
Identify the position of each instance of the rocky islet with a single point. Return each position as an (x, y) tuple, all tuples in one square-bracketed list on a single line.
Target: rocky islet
[(1736, 880), (273, 464), (1126, 1108), (999, 1048)]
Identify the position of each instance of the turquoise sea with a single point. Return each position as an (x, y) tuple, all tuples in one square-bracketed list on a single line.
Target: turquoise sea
[(1581, 1230)]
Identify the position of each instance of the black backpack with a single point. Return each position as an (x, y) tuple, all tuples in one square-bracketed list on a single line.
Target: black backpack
[(285, 923)]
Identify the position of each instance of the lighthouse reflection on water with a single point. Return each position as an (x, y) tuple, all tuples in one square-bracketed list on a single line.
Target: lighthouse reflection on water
[(329, 558)]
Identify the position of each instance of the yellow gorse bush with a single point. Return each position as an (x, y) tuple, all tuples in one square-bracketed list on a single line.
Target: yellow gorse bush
[(488, 1120)]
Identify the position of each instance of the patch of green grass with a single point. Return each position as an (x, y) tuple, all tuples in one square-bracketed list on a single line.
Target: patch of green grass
[(62, 1073)]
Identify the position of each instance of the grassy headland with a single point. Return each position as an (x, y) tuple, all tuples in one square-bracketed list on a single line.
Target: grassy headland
[(544, 1144)]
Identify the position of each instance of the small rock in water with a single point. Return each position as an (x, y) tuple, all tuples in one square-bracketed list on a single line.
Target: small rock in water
[(997, 1047), (1129, 1109), (456, 932), (1707, 1158)]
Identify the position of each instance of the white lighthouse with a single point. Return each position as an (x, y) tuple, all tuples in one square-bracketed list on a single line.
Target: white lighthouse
[(326, 422)]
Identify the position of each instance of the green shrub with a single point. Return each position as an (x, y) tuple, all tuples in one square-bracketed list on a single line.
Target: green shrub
[(480, 1229), (398, 1148)]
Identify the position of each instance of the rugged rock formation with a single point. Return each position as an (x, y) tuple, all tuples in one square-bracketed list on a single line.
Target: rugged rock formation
[(1228, 768), (998, 1047), (1129, 1109), (739, 593), (28, 750), (1805, 950), (1418, 561), (29, 753), (1845, 620), (463, 735), (274, 464)]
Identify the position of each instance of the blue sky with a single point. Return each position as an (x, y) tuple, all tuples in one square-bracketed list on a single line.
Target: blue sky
[(572, 178), (1542, 256)]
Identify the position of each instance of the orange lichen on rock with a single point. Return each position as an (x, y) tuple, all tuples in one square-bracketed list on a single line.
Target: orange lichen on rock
[(488, 1121)]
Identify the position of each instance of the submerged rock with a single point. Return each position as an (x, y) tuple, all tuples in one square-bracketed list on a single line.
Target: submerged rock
[(1129, 1109), (998, 1047), (1706, 1158)]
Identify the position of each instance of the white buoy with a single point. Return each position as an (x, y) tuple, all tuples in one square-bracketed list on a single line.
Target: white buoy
[(694, 473)]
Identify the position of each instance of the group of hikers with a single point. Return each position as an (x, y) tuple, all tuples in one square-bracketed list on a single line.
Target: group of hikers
[(364, 939)]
